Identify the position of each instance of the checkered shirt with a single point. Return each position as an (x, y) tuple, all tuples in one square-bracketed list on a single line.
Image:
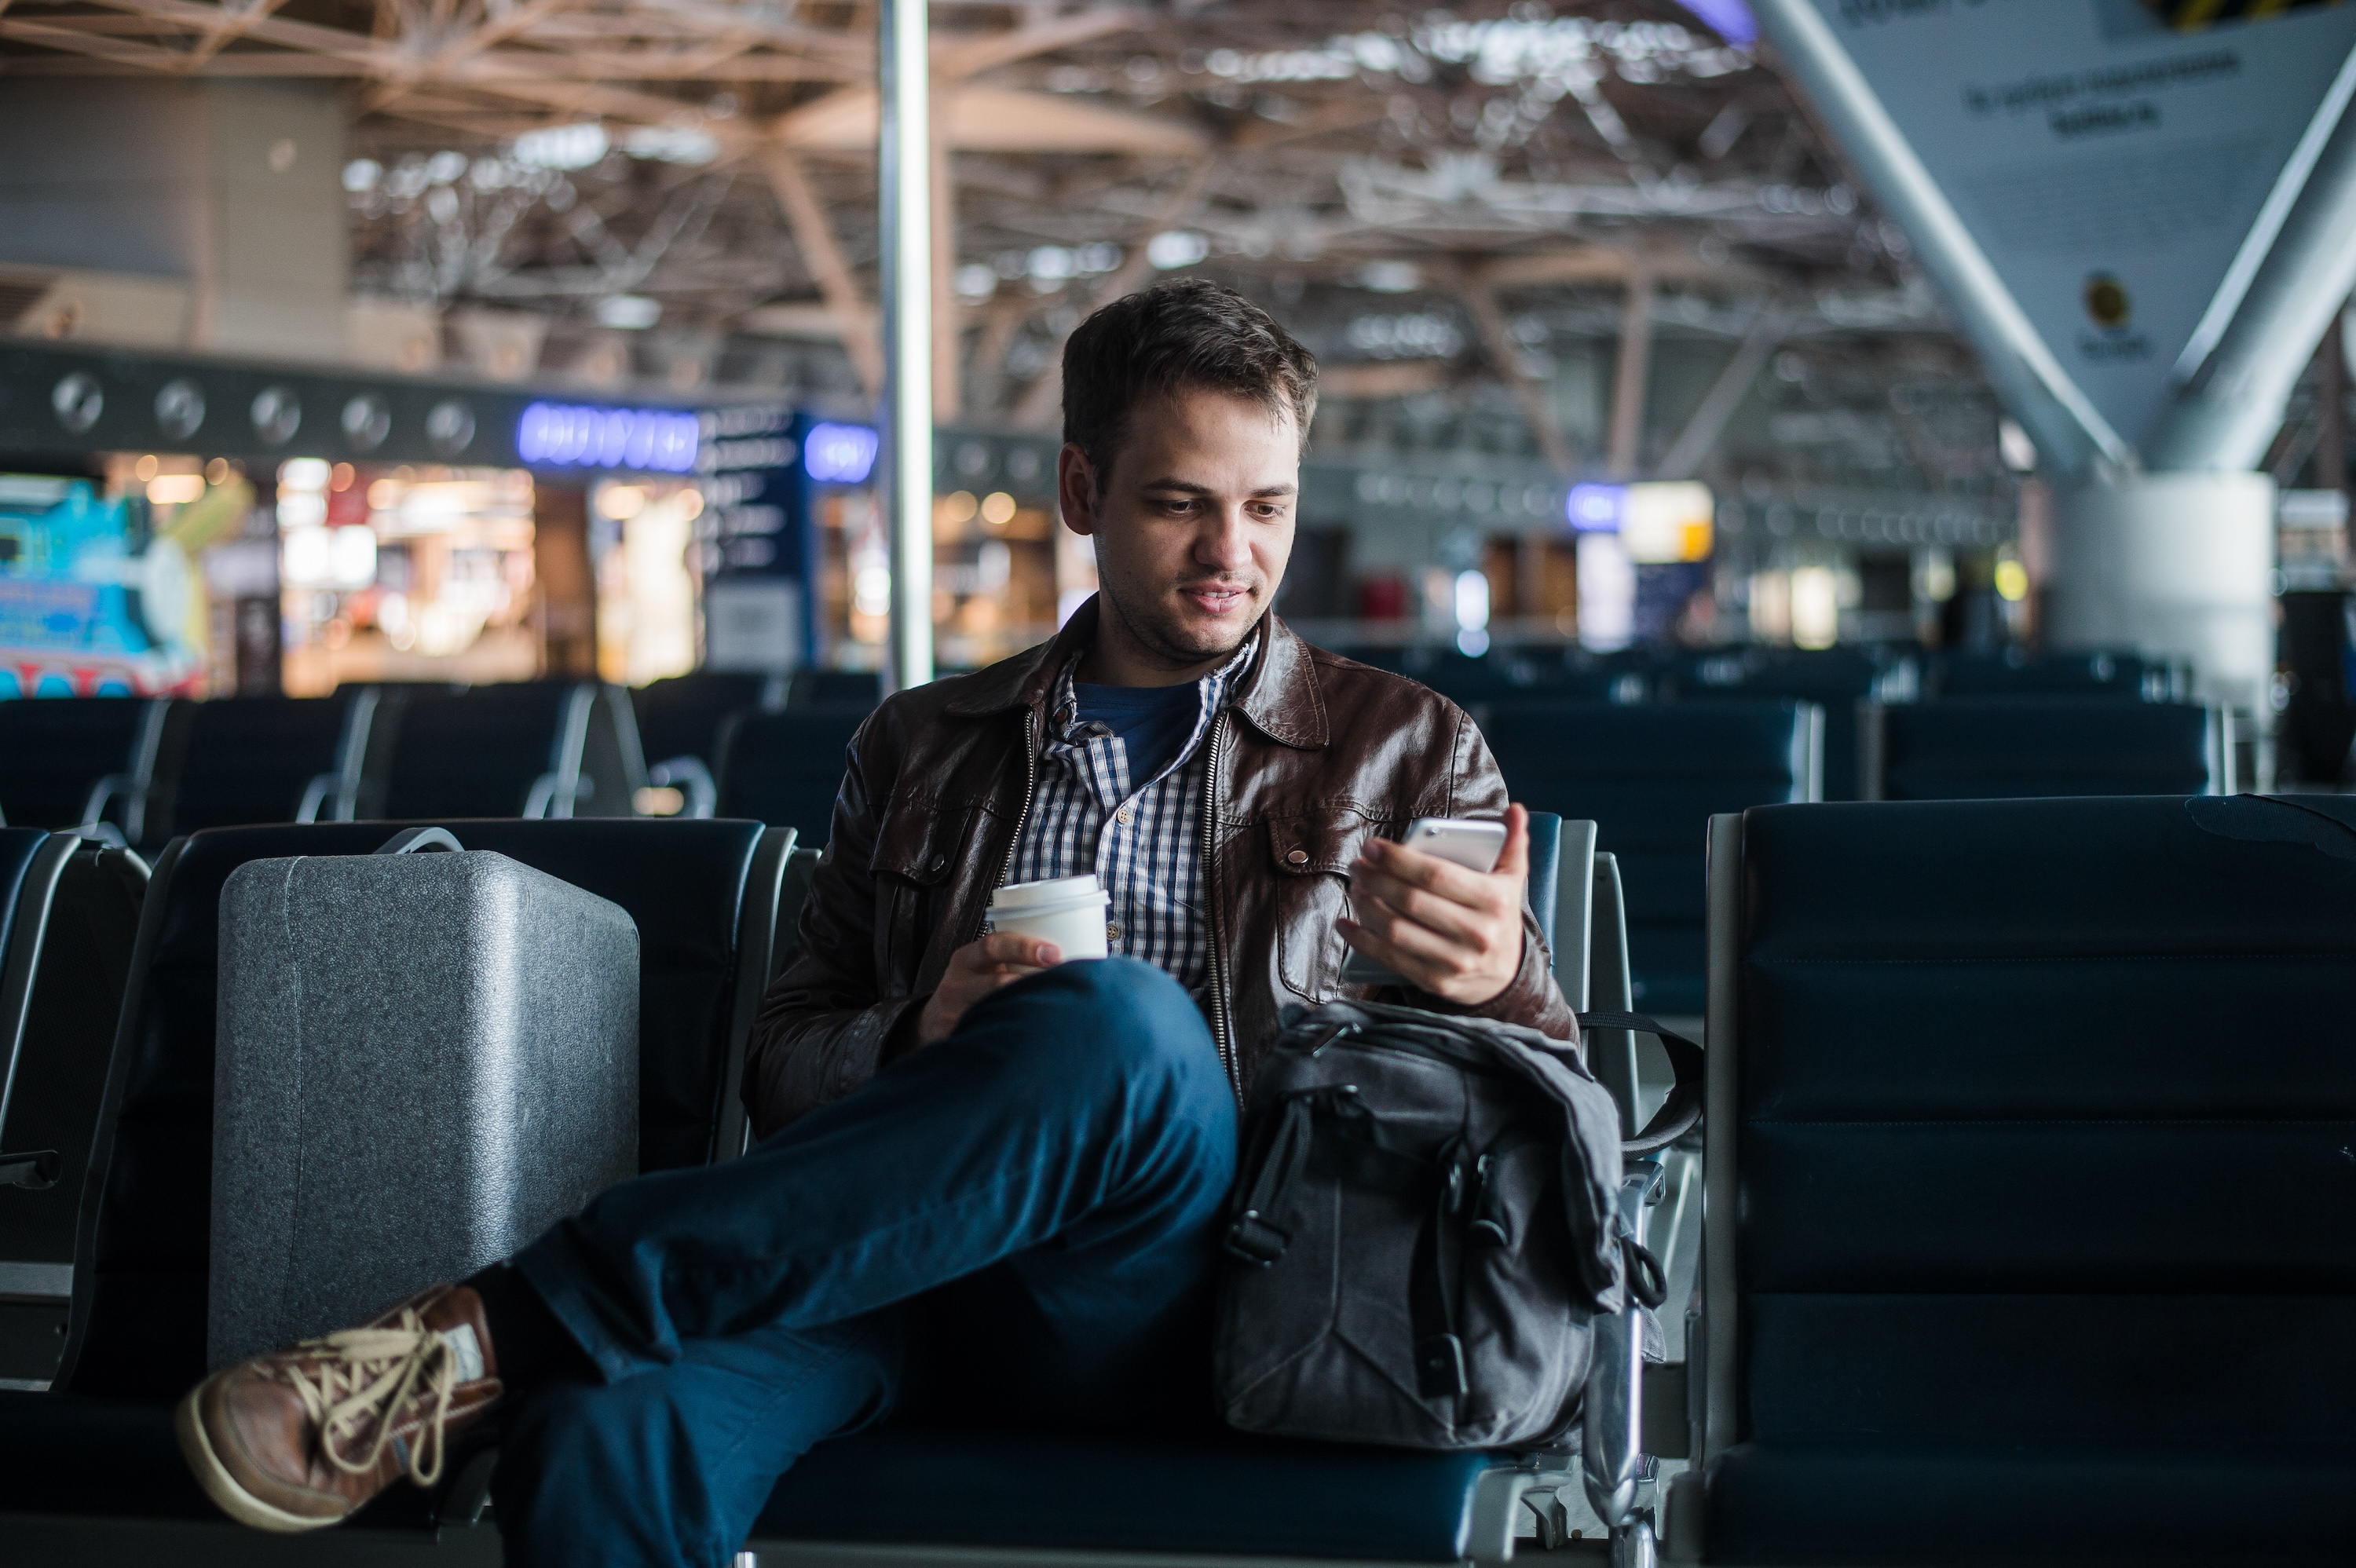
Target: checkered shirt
[(1141, 841)]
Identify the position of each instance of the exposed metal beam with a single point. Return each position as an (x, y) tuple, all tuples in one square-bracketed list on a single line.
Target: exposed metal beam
[(1624, 448), (1505, 354), (1045, 396), (814, 237), (1707, 422), (955, 58)]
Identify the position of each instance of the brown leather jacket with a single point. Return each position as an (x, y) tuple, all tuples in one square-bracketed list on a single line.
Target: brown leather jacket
[(1312, 754)]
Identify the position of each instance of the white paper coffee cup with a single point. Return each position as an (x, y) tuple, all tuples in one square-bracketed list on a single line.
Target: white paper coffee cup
[(1066, 910)]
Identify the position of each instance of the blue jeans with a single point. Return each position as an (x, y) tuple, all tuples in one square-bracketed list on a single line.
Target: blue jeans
[(1014, 1226)]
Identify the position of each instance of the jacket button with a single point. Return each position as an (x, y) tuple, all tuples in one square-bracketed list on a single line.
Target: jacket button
[(1297, 857), (938, 861)]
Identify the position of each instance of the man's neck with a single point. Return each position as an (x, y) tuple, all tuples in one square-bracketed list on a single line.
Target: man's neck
[(1115, 657)]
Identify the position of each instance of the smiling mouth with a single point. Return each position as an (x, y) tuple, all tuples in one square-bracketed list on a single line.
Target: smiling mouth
[(1218, 599)]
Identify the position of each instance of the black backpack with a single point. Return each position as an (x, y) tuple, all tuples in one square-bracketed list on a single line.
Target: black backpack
[(1424, 1229)]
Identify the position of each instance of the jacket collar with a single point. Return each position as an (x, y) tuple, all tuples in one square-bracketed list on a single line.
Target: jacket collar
[(1278, 693)]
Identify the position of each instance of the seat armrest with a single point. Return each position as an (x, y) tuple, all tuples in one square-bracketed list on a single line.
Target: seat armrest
[(1611, 1445), (103, 793), (34, 1169), (689, 775)]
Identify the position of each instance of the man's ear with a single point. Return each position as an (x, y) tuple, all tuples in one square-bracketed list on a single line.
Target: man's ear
[(1075, 489)]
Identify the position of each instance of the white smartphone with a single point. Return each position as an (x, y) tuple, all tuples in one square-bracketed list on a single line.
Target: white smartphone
[(1459, 841)]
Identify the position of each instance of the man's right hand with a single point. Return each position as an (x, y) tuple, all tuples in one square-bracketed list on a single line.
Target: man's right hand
[(977, 969)]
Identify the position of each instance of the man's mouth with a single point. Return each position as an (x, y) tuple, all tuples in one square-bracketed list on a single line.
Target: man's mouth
[(1217, 598)]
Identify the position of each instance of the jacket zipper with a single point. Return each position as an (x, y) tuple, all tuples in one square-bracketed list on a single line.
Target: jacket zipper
[(1221, 1026), (1021, 818)]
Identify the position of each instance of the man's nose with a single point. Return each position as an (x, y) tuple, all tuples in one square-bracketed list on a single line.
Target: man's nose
[(1221, 542)]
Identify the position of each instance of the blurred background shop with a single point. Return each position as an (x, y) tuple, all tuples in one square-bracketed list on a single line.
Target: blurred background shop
[(555, 349)]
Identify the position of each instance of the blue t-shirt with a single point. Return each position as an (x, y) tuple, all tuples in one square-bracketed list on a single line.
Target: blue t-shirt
[(1152, 721)]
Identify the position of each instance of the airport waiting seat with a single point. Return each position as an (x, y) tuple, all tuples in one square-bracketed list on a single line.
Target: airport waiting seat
[(2121, 675), (553, 749), (1835, 680), (909, 1495), (689, 886), (680, 721), (236, 761), (1651, 776), (1994, 748), (69, 915), (785, 768), (2028, 1185), (81, 764), (834, 688)]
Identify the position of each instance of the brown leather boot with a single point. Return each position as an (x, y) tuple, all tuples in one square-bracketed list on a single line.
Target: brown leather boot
[(300, 1438)]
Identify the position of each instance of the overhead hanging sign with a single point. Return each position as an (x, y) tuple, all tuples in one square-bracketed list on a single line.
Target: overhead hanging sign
[(2122, 168)]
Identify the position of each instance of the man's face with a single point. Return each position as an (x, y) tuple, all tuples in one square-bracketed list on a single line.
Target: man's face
[(1193, 523)]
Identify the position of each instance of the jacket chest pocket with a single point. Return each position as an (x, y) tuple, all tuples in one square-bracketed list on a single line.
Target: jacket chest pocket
[(1310, 860), (918, 849)]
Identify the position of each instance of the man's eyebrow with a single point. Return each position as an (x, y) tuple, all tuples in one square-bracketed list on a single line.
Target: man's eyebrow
[(1188, 488)]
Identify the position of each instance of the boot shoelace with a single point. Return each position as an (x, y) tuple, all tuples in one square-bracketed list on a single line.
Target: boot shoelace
[(364, 1372)]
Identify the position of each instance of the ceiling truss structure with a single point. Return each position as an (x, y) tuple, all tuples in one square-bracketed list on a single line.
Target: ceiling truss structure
[(1498, 183)]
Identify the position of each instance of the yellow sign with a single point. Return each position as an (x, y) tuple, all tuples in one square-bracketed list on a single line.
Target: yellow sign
[(1668, 521)]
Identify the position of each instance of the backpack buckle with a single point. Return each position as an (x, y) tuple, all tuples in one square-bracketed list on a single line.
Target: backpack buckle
[(1440, 1367), (1255, 1242)]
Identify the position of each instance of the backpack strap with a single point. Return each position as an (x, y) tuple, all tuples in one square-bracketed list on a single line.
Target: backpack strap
[(1681, 1112)]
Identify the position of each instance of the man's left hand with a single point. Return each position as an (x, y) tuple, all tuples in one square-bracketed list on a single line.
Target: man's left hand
[(1453, 932)]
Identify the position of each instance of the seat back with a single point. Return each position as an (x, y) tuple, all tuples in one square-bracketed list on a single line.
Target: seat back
[(835, 688), (2120, 674), (703, 894), (56, 752), (236, 761), (2028, 1167), (533, 748), (786, 768), (1998, 748), (1834, 680), (682, 716), (1650, 777), (67, 933)]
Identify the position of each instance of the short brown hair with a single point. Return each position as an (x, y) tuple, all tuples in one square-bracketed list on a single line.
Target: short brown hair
[(1182, 333)]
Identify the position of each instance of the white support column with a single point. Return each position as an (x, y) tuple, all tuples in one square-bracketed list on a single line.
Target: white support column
[(904, 160), (2172, 563)]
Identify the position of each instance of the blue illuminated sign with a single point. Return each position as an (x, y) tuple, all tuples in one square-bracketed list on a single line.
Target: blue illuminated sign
[(839, 454), (564, 435), (1597, 508)]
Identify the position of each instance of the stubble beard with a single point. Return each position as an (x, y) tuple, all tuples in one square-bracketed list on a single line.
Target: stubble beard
[(1157, 636)]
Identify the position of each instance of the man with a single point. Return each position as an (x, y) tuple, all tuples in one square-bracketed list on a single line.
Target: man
[(988, 1187)]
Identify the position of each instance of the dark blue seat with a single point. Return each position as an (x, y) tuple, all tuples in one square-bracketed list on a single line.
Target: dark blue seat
[(1834, 680), (785, 768), (236, 761), (835, 688), (68, 761), (682, 716), (2029, 1190), (1994, 748), (694, 890), (533, 748), (912, 1487), (68, 916), (1650, 776), (1043, 1491), (2121, 675)]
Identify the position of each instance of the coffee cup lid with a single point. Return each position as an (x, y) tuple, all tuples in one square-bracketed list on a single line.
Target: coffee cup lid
[(1052, 890)]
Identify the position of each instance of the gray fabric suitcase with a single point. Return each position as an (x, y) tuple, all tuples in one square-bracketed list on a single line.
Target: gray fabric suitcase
[(423, 1061)]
